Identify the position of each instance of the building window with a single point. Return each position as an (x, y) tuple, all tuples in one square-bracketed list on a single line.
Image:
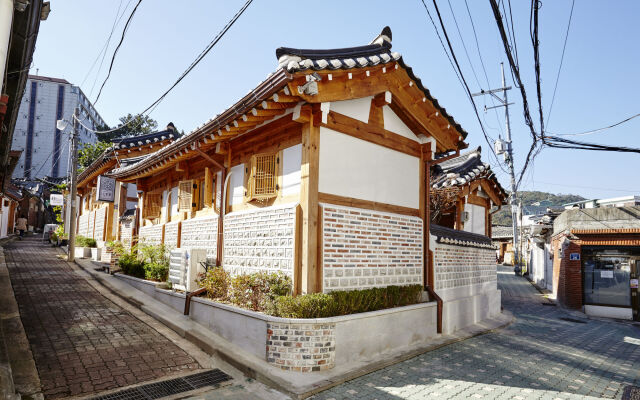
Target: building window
[(606, 277), (185, 195), (261, 177), (152, 205)]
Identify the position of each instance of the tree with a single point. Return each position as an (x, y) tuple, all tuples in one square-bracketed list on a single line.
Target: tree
[(89, 152), (129, 125)]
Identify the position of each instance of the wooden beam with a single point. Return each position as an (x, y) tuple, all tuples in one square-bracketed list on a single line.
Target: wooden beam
[(367, 204), (309, 206), (371, 133), (209, 158), (267, 113), (208, 187), (376, 114)]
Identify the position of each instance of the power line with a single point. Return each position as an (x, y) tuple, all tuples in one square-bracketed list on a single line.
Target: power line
[(464, 46), (535, 7), (199, 58), (590, 187), (564, 47), (599, 129), (115, 52)]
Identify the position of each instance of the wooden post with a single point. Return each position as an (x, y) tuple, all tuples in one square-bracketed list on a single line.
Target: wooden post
[(208, 192), (309, 206), (425, 211)]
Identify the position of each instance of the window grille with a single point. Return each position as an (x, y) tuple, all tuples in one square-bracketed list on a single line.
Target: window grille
[(185, 195), (152, 205), (263, 178)]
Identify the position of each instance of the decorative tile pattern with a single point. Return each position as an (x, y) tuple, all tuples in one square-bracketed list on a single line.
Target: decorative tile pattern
[(101, 219), (364, 248), (83, 224), (171, 234), (301, 347), (457, 266), (200, 233), (260, 240), (126, 233), (92, 221)]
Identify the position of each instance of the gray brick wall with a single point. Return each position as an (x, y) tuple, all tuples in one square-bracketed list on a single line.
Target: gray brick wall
[(101, 218), (301, 347), (364, 248), (458, 266), (201, 233), (151, 234), (171, 234)]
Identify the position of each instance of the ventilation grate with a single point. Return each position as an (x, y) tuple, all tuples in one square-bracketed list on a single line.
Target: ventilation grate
[(577, 321), (169, 387), (549, 304)]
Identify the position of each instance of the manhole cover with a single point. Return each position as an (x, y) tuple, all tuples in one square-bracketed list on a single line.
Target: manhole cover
[(169, 387), (577, 321)]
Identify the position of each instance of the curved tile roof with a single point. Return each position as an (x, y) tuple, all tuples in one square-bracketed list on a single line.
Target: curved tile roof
[(460, 238), (141, 140)]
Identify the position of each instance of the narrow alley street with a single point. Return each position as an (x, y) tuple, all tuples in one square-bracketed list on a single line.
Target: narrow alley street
[(546, 353), (81, 341)]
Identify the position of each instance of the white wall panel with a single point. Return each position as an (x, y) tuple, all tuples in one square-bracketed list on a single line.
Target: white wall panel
[(394, 124), (356, 108), (291, 161)]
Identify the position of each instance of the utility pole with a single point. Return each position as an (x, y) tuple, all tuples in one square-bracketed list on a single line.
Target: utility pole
[(508, 156), (74, 187)]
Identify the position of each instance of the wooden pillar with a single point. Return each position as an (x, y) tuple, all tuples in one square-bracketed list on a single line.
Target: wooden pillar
[(425, 212), (223, 190), (309, 205), (459, 210), (208, 191)]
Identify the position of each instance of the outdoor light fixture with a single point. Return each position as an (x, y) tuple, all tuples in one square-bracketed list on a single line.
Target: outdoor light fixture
[(61, 124)]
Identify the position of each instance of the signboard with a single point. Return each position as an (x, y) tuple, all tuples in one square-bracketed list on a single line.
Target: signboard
[(56, 199), (106, 189), (633, 283), (574, 256), (606, 274)]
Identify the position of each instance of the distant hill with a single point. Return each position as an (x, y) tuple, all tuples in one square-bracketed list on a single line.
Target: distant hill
[(544, 199)]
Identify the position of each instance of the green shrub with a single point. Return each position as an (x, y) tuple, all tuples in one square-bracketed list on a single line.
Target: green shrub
[(82, 241), (156, 271), (130, 265), (255, 291), (314, 305), (116, 247), (216, 281), (156, 261)]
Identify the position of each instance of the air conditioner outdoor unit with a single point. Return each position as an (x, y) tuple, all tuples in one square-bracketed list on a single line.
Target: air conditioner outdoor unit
[(184, 268)]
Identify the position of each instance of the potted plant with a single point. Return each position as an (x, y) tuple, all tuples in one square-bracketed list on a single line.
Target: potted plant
[(83, 246)]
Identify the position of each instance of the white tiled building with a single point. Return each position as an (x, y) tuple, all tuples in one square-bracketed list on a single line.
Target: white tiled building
[(45, 150)]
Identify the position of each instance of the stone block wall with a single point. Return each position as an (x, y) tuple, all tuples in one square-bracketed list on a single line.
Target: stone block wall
[(126, 233), (83, 225), (301, 347), (92, 221), (365, 248), (457, 266), (171, 234), (260, 240), (567, 273), (101, 219), (201, 233), (151, 234)]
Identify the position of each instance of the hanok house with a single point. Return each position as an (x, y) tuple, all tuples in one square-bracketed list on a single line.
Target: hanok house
[(596, 261), (321, 172), (99, 217)]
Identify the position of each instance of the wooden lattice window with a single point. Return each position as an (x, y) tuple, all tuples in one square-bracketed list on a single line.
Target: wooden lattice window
[(185, 195), (262, 182), (152, 206)]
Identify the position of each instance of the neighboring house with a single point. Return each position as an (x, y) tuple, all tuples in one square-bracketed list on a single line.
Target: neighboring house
[(596, 260), (537, 233), (9, 214), (625, 201), (502, 238), (45, 149), (463, 192), (322, 172), (99, 219)]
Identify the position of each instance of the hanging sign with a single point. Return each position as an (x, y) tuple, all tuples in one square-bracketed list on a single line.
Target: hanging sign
[(56, 199), (106, 189), (606, 274), (574, 256), (633, 283)]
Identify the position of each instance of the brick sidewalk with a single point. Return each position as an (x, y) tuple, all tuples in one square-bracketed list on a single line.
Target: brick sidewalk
[(83, 343)]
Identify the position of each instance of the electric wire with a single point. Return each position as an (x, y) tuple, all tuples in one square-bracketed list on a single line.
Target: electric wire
[(197, 60), (115, 52), (591, 132), (564, 47), (535, 7)]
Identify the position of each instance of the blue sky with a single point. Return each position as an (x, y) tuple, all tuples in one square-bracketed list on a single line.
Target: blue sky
[(598, 85)]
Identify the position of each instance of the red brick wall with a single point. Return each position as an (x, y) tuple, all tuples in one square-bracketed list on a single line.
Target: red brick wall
[(567, 274)]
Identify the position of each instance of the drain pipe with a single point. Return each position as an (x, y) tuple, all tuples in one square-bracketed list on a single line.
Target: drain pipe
[(6, 22)]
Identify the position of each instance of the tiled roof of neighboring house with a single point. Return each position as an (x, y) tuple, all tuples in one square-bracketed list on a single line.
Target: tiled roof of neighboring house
[(13, 191), (375, 53), (501, 232), (128, 215), (150, 138), (460, 238)]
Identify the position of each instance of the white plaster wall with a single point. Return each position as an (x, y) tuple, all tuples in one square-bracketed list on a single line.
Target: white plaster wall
[(476, 221), (356, 108), (5, 220), (355, 168), (218, 189), (291, 161), (174, 200), (394, 124), (163, 209), (236, 184)]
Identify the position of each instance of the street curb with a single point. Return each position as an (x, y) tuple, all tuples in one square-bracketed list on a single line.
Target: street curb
[(24, 382), (215, 345)]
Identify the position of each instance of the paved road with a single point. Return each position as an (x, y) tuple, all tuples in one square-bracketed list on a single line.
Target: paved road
[(82, 342), (539, 356)]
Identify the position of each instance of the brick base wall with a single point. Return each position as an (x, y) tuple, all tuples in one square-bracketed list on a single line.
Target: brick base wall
[(83, 224), (456, 266), (364, 248), (260, 240), (301, 347), (126, 233), (567, 274), (100, 221), (171, 234)]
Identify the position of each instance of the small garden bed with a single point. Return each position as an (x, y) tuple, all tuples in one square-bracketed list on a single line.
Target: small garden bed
[(144, 261)]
